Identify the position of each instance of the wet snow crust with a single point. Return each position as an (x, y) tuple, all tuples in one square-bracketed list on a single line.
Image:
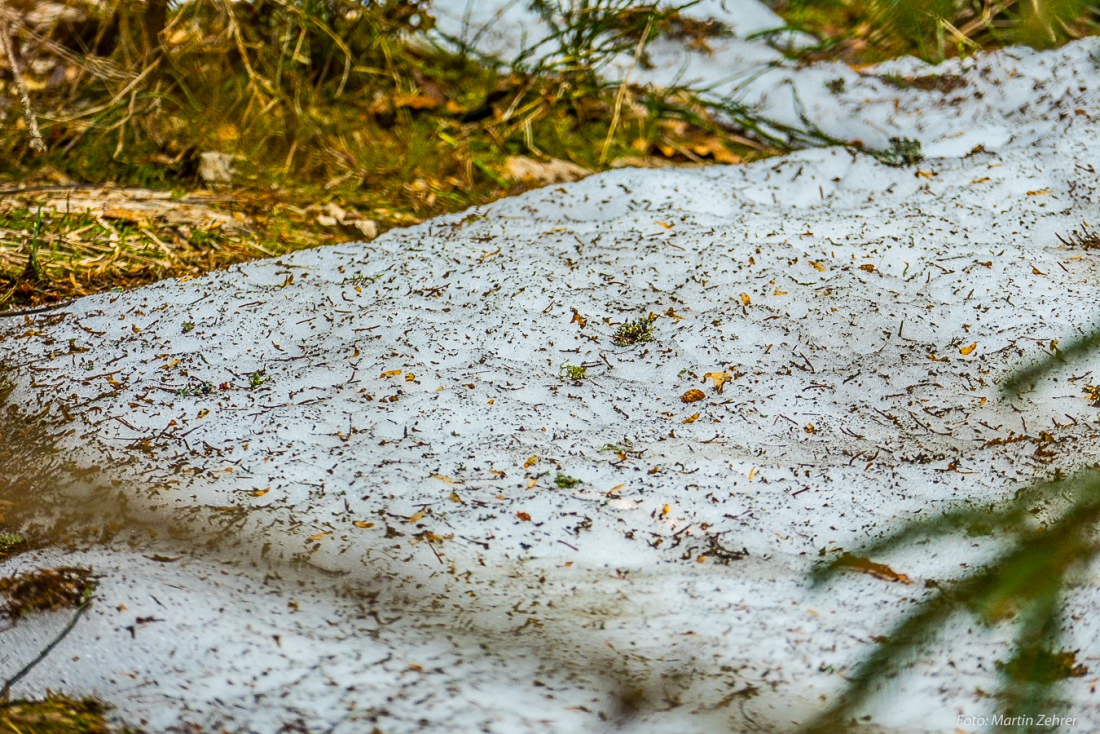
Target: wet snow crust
[(366, 438)]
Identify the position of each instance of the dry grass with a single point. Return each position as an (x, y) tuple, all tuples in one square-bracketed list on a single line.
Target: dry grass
[(865, 32), (339, 124), (55, 714)]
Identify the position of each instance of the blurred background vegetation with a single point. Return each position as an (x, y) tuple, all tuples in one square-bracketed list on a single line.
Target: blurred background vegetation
[(283, 124), (166, 138), (934, 30)]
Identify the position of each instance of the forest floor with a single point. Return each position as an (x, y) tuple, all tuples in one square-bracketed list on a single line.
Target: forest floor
[(144, 178)]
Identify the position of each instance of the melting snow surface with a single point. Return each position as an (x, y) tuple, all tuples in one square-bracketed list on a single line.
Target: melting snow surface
[(379, 430)]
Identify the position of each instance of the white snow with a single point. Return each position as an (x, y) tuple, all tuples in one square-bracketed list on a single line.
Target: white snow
[(417, 375)]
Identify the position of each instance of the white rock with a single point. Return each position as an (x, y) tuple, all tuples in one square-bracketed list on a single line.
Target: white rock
[(215, 167)]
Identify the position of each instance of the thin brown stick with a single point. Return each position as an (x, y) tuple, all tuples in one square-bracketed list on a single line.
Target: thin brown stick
[(17, 73), (623, 85)]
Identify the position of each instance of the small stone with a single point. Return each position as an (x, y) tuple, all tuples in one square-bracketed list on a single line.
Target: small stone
[(215, 167)]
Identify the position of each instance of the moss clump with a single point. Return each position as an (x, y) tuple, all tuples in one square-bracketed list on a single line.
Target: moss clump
[(564, 481), (56, 714), (633, 332), (902, 152), (573, 372), (11, 543)]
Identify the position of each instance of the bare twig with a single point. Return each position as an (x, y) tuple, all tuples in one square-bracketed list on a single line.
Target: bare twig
[(5, 692), (21, 84), (622, 90)]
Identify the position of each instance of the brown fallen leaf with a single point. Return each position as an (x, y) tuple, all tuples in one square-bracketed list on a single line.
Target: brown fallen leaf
[(523, 516), (692, 396), (867, 566)]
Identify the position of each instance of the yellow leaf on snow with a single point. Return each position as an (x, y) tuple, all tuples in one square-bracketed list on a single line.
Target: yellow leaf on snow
[(362, 524), (720, 379), (964, 351), (745, 299), (691, 419), (818, 266), (417, 517), (391, 373), (531, 461), (445, 478), (1039, 192)]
